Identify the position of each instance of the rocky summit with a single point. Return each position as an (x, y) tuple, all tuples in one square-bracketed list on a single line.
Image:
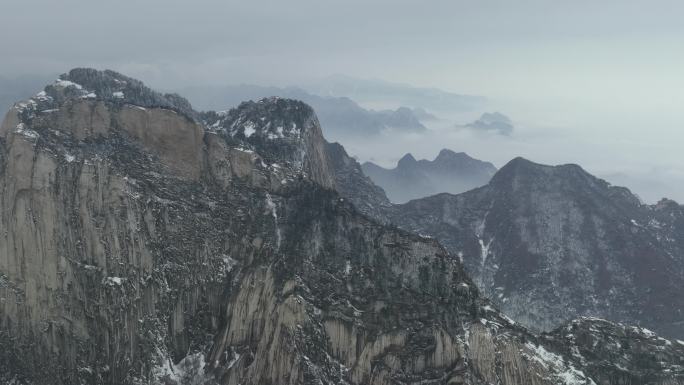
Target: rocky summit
[(144, 242)]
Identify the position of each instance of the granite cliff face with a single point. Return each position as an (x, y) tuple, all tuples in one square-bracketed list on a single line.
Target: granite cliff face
[(548, 244), (143, 242)]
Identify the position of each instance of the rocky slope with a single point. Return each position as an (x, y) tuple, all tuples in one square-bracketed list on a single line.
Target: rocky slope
[(449, 172), (143, 242), (548, 244), (353, 184)]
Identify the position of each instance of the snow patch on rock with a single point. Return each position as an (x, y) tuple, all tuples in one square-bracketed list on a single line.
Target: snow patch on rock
[(274, 213), (114, 281), (565, 373), (67, 83), (189, 371)]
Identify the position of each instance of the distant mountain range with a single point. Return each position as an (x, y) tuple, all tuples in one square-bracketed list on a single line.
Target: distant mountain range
[(494, 122), (146, 242), (550, 243), (383, 93), (449, 172), (339, 116)]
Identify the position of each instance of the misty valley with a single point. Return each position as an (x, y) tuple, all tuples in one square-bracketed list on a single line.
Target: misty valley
[(354, 193)]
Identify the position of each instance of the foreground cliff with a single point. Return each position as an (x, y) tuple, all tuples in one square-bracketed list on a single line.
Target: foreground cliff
[(143, 242)]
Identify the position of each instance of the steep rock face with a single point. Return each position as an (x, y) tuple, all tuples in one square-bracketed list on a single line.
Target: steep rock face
[(351, 183), (548, 244), (280, 129), (118, 266), (412, 179)]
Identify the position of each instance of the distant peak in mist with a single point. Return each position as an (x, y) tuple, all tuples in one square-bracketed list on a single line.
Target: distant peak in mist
[(451, 172), (494, 122), (392, 95)]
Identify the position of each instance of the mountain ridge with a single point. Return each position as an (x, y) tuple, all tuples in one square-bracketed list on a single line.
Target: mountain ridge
[(237, 264), (575, 243), (448, 172), (340, 116)]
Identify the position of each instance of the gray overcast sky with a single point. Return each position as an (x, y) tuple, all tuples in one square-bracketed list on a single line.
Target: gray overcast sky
[(600, 83)]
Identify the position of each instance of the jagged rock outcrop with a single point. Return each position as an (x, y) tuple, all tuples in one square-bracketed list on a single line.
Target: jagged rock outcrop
[(615, 353), (548, 244), (282, 130), (234, 263), (412, 179)]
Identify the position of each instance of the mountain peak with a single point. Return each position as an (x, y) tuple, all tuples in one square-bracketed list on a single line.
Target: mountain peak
[(281, 130), (266, 119), (519, 161), (522, 165), (525, 175), (89, 103), (406, 160), (446, 154), (667, 204), (530, 171), (450, 172), (111, 86), (493, 122)]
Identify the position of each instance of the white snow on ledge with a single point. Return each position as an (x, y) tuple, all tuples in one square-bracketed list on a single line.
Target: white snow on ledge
[(114, 281), (67, 83), (190, 370), (249, 129), (22, 130), (565, 373)]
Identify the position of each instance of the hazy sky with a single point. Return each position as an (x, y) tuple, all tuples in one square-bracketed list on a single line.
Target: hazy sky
[(602, 81)]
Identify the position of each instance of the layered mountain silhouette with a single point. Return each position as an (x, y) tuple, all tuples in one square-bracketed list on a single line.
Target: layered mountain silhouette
[(145, 242), (449, 172), (493, 122), (382, 93), (340, 116)]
